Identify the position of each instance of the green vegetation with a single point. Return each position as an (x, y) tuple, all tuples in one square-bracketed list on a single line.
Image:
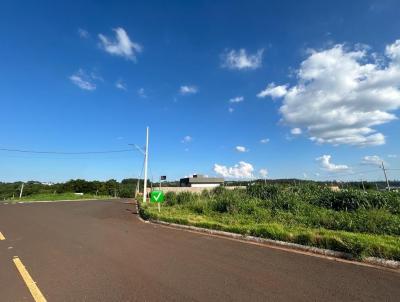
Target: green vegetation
[(352, 221), (125, 188), (59, 197)]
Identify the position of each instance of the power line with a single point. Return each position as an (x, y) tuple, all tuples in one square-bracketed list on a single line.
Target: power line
[(61, 152), (34, 157)]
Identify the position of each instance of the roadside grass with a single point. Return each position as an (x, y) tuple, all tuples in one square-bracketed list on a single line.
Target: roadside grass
[(362, 231), (57, 197)]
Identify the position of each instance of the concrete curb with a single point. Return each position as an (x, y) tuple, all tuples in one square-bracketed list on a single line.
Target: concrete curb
[(138, 213), (392, 264)]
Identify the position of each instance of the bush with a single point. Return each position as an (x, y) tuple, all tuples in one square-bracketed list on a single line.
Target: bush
[(186, 197), (264, 192), (170, 198)]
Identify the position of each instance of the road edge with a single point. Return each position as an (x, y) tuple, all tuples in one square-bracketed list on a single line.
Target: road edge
[(373, 261)]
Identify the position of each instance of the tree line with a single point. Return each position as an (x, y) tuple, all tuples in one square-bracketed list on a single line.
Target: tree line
[(125, 188)]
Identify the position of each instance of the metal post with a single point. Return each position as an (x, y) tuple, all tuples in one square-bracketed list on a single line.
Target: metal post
[(146, 157)]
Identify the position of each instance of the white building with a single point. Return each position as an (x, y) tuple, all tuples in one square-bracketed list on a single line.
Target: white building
[(199, 181)]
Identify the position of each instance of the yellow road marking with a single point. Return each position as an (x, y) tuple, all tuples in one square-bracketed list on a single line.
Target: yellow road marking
[(35, 291), (2, 237)]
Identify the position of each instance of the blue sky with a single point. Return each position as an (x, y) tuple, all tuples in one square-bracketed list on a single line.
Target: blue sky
[(305, 90)]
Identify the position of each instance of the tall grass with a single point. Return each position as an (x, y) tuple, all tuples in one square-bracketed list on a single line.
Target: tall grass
[(301, 213)]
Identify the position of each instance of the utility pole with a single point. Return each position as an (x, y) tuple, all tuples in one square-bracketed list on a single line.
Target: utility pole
[(146, 157), (384, 172), (21, 191)]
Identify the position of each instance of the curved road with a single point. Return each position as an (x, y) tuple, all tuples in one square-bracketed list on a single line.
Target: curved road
[(100, 251)]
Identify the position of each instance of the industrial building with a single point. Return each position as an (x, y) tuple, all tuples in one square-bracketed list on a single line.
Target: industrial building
[(200, 181)]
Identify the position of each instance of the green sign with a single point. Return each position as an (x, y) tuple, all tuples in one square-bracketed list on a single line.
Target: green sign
[(157, 196)]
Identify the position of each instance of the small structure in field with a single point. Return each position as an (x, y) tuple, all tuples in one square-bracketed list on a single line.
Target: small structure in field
[(200, 181), (334, 188)]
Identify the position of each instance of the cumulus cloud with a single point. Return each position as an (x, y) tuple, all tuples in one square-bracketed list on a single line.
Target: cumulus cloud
[(342, 94), (374, 160), (327, 165), (239, 59), (187, 139), (185, 90), (263, 173), (241, 149), (296, 131), (230, 109), (83, 33), (83, 80), (120, 46), (237, 99), (264, 140), (240, 170), (273, 91)]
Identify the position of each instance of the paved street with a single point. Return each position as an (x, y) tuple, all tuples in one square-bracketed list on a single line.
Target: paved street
[(101, 251)]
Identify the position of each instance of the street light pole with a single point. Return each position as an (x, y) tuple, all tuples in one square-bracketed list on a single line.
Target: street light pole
[(146, 157)]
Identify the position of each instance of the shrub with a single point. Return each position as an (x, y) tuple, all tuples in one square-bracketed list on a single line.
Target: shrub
[(264, 192), (197, 206), (186, 197), (170, 198)]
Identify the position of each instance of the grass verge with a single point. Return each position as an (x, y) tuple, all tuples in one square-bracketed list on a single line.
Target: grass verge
[(359, 245), (57, 197)]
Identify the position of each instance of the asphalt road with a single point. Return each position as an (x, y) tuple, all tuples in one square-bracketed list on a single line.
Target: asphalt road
[(100, 251)]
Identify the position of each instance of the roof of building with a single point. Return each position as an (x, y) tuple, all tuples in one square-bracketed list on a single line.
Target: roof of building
[(200, 179)]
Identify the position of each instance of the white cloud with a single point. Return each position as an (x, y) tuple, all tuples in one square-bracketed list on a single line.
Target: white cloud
[(241, 149), (185, 90), (121, 85), (121, 45), (83, 80), (325, 161), (374, 160), (237, 99), (83, 33), (239, 59), (392, 155), (263, 173), (240, 170), (264, 140), (393, 51), (230, 109), (141, 93), (341, 95), (273, 91), (296, 131), (187, 139)]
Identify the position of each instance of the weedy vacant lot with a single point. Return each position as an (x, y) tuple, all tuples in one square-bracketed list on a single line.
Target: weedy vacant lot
[(353, 221)]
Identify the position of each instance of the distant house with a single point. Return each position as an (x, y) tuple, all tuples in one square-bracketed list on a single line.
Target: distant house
[(199, 181)]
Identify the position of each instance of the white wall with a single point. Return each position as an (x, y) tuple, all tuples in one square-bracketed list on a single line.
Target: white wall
[(205, 185)]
